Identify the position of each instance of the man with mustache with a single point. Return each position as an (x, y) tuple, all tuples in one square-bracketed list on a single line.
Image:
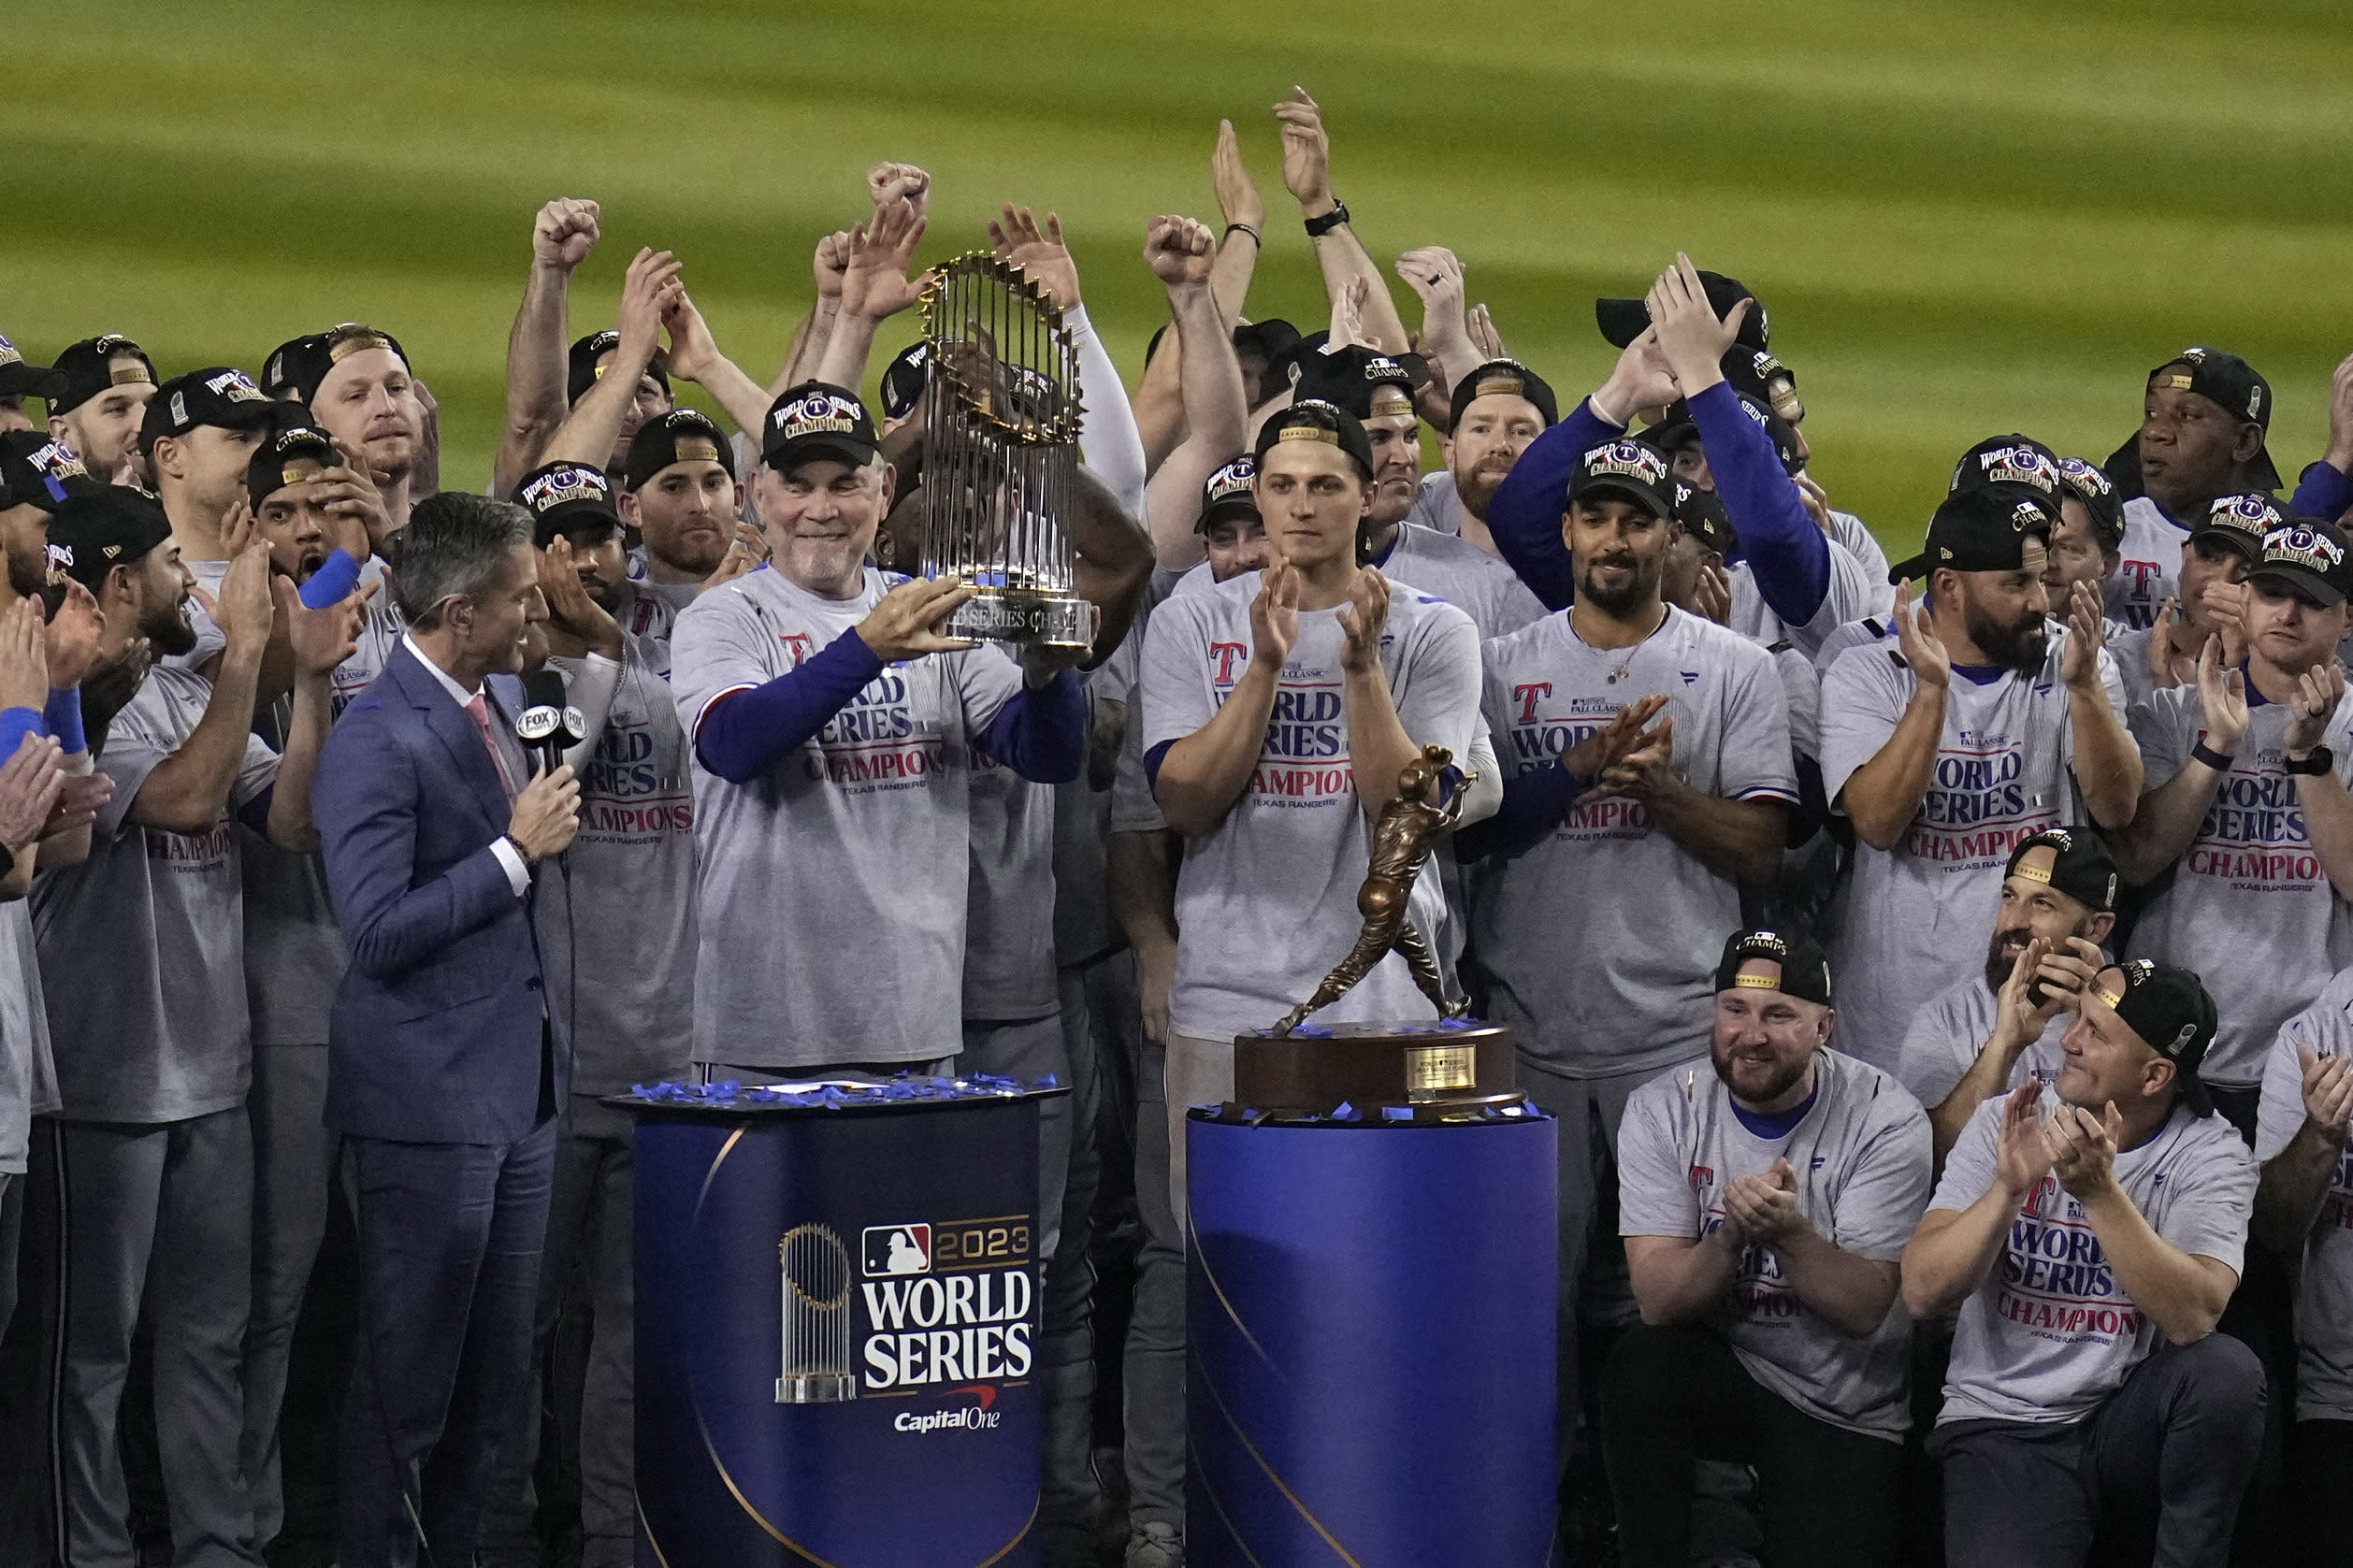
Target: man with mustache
[(1982, 729), (1986, 1033), (1765, 1210)]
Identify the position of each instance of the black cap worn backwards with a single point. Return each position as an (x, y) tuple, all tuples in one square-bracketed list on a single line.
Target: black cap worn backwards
[(585, 372), (336, 344), (1702, 516), (905, 378), (814, 420), (2019, 461), (565, 499), (294, 365), (39, 472), (2084, 480), (273, 466), (1623, 321), (1805, 973), (1367, 384), (679, 436), (2241, 521), (99, 529), (19, 380), (89, 368), (2231, 382), (2309, 559), (1504, 378), (2170, 1009), (1313, 420), (1985, 529), (1755, 373), (1625, 465), (220, 395), (1228, 492), (2081, 866)]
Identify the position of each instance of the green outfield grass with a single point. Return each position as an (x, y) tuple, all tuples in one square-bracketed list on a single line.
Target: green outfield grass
[(1965, 218)]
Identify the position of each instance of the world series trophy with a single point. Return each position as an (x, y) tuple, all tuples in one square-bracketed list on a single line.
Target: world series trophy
[(1454, 1064), (1000, 412)]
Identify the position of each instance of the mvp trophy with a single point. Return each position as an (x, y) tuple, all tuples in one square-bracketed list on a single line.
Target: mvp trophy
[(1000, 415)]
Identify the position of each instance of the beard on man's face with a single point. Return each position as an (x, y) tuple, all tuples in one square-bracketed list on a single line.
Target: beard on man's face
[(2021, 645), (167, 628), (1640, 585), (27, 575)]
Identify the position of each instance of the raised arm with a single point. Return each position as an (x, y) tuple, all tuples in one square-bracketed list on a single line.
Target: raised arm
[(1113, 560), (1217, 420), (561, 237), (695, 356), (590, 431), (1245, 212), (1307, 175), (816, 330), (1107, 436), (2328, 809), (875, 287), (1437, 274)]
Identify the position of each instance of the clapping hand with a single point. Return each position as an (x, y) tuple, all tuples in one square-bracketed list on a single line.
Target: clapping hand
[(1923, 652), (874, 281), (2086, 634), (2328, 1092), (1689, 334), (1361, 621)]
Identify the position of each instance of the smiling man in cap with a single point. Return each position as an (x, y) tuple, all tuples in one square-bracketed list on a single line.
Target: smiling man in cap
[(2089, 1252), (109, 379), (1986, 728), (1765, 1208)]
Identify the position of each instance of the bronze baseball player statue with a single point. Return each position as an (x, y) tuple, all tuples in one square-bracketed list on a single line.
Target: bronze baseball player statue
[(1408, 826)]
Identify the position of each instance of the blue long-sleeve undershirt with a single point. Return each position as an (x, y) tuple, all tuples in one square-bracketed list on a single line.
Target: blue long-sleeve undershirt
[(1040, 734), (2322, 491), (1784, 547), (1534, 802)]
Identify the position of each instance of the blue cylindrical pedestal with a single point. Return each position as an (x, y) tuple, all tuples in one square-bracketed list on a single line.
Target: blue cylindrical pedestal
[(837, 1327), (1371, 1314)]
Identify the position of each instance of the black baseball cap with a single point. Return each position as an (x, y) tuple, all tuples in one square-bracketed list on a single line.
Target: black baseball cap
[(2081, 866), (1627, 465), (220, 395), (19, 380), (1805, 973), (38, 471), (98, 529), (2309, 557), (585, 372), (905, 378), (2231, 382), (1506, 378), (1702, 515), (2241, 521), (814, 420), (1314, 420), (565, 499), (679, 436), (2084, 480), (88, 369), (1623, 321), (1756, 373), (269, 472), (1676, 427), (1274, 338), (2013, 460), (2170, 1009), (295, 367), (1985, 529), (1228, 492), (1366, 382), (336, 344)]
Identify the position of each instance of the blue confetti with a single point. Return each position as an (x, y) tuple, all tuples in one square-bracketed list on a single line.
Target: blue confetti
[(1397, 1112)]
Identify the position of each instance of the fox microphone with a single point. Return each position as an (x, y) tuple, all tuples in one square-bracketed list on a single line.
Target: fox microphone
[(548, 724)]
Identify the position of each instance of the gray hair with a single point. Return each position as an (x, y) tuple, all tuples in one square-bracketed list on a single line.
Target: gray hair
[(454, 546)]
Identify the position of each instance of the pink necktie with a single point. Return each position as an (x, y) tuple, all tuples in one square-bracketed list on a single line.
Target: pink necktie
[(480, 710)]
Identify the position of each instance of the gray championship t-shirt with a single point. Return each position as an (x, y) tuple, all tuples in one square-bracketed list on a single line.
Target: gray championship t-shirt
[(1266, 900), (2324, 1274), (2250, 884), (1861, 1156), (2149, 564), (832, 887), (142, 945), (1466, 577), (1913, 919), (28, 1075), (1861, 543), (1601, 938), (632, 874), (2051, 1333), (1946, 1034)]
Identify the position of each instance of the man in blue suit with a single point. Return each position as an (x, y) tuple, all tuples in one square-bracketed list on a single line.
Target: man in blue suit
[(445, 1065)]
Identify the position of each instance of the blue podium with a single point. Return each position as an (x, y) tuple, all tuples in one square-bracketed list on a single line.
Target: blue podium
[(837, 1325), (1371, 1322)]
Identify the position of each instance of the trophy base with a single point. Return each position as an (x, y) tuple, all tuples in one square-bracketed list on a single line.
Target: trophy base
[(1464, 1066), (1023, 615), (815, 1387)]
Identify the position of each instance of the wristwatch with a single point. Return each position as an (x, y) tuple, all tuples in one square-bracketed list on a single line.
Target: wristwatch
[(1319, 227), (2317, 762)]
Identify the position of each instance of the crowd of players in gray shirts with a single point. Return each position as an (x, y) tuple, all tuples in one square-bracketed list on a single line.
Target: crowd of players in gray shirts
[(1934, 972)]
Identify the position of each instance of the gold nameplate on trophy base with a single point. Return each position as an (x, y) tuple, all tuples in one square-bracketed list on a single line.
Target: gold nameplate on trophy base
[(1432, 1070)]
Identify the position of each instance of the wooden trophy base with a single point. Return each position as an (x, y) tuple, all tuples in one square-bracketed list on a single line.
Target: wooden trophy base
[(1462, 1067)]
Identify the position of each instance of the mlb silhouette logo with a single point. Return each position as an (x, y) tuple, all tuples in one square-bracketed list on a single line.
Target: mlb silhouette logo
[(898, 1249)]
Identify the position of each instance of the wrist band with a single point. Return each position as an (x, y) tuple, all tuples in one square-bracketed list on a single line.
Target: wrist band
[(1319, 227), (15, 724), (1255, 237), (1603, 414), (64, 718), (2201, 752)]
